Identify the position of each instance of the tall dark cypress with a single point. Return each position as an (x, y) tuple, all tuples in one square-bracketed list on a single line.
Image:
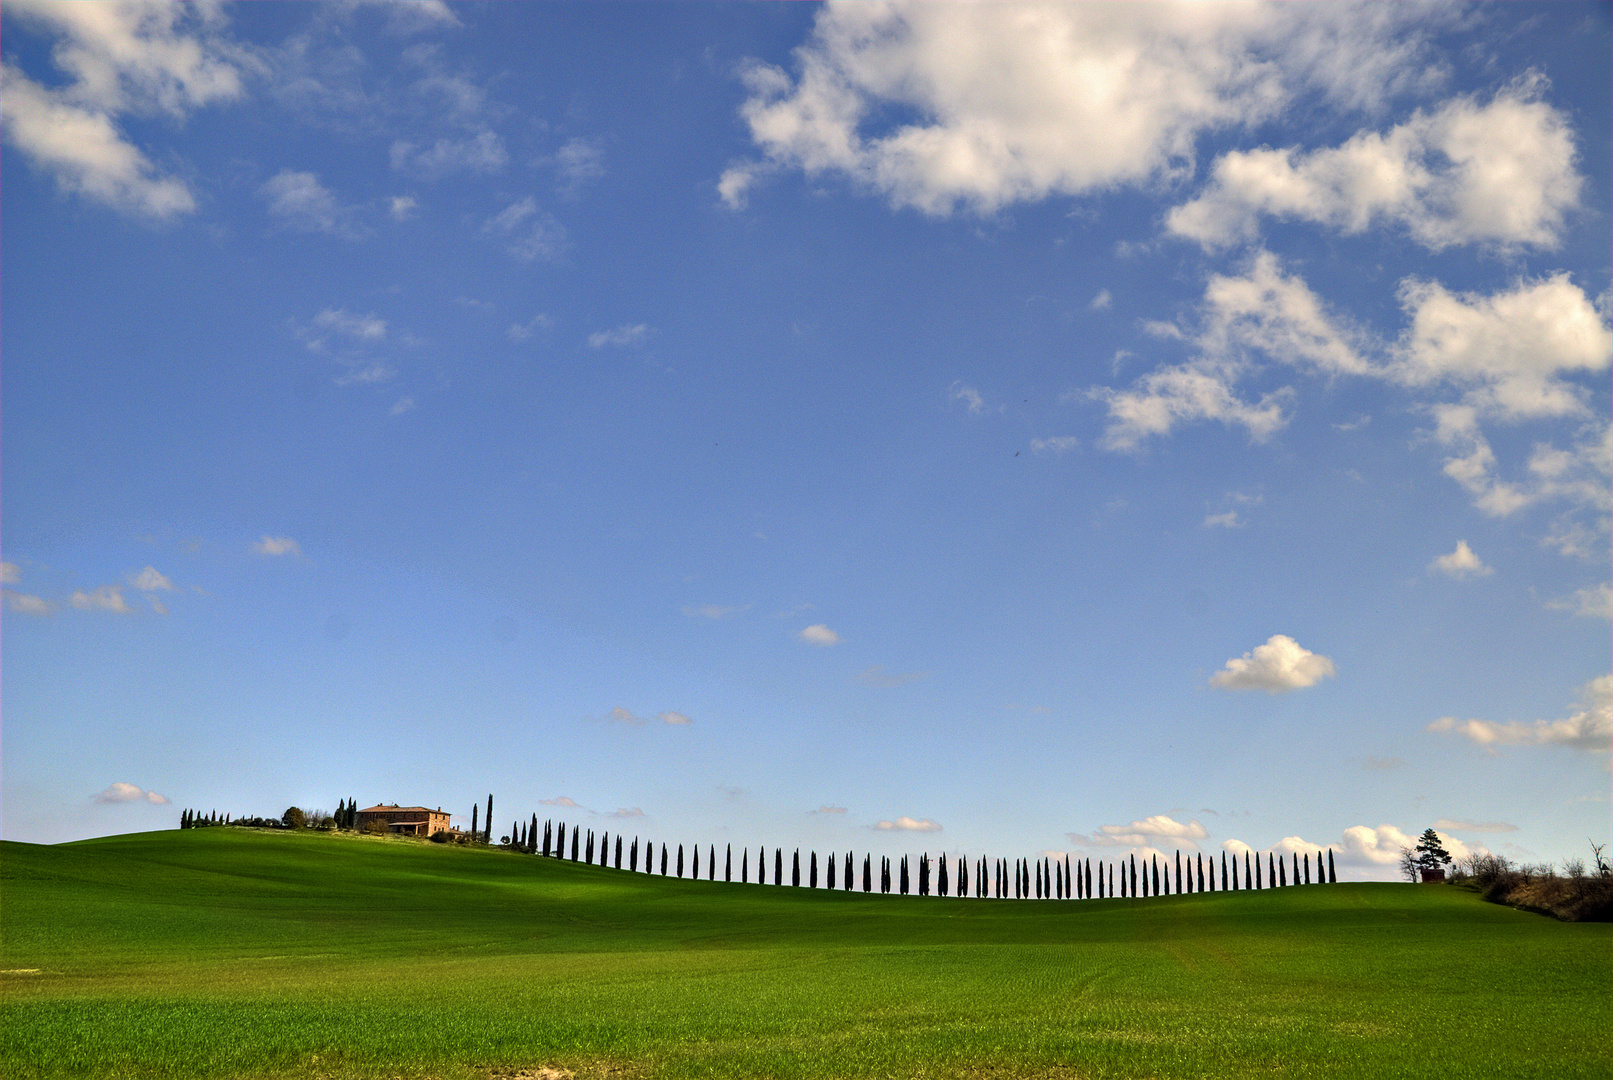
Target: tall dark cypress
[(942, 880), (868, 873), (618, 851), (680, 860), (744, 866), (850, 872), (795, 869), (696, 853), (761, 866), (812, 873), (588, 848), (1332, 875), (1248, 875), (728, 864), (532, 836), (632, 856), (560, 847), (664, 858), (1296, 868), (475, 830), (830, 878), (778, 866), (1307, 868), (1178, 871), (489, 837), (576, 843), (1282, 872), (904, 875)]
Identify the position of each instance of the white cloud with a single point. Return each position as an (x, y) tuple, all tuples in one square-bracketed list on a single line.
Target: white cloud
[(969, 396), (303, 204), (28, 604), (481, 152), (401, 406), (1228, 520), (733, 187), (1381, 847), (1446, 824), (120, 792), (402, 207), (529, 234), (1278, 315), (907, 824), (1280, 665), (1159, 828), (370, 327), (673, 718), (1102, 302), (1590, 727), (1173, 395), (619, 337), (1055, 444), (1501, 173), (277, 545), (626, 812), (10, 573), (528, 330), (1461, 563), (878, 676), (1009, 103), (819, 634), (826, 809), (579, 161), (711, 611), (1593, 602), (559, 800), (150, 580), (121, 59), (1508, 351), (105, 598)]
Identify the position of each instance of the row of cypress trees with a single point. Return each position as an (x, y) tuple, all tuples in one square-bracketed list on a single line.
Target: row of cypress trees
[(1041, 879)]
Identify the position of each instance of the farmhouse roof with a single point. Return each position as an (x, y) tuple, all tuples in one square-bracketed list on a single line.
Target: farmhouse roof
[(396, 809)]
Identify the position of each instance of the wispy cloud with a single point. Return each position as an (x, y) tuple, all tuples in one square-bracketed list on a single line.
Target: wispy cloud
[(530, 329), (711, 611), (1593, 602), (277, 545), (561, 800), (1464, 825), (528, 233), (969, 396), (150, 580), (827, 809), (1589, 727), (28, 604), (105, 598), (619, 337), (878, 676), (1159, 828)]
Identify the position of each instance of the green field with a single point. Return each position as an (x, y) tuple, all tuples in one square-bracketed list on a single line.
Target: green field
[(233, 953)]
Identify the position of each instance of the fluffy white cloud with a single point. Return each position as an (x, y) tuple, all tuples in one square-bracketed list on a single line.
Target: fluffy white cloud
[(1507, 351), (1461, 563), (907, 824), (1589, 727), (1170, 396), (1594, 602), (1009, 103), (402, 207), (1501, 172), (619, 337), (819, 634), (150, 580), (105, 598), (1281, 664), (121, 58), (1102, 302), (28, 604), (1159, 828), (120, 792), (1381, 847), (1266, 311), (277, 545)]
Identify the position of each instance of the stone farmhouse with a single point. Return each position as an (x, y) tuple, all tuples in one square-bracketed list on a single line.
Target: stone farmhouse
[(408, 820)]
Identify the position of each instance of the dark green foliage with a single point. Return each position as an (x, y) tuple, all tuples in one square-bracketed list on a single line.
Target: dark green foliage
[(695, 853), (778, 866), (664, 858), (475, 831), (632, 856), (1307, 868), (588, 849), (1178, 871), (618, 851), (1248, 874), (943, 881), (1296, 868), (728, 864), (293, 818), (1332, 874), (812, 879), (489, 819), (795, 869), (829, 878), (1282, 873), (1224, 884), (680, 860), (868, 873), (744, 866), (1431, 854)]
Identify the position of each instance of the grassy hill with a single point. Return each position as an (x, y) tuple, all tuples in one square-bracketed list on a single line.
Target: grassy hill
[(230, 953)]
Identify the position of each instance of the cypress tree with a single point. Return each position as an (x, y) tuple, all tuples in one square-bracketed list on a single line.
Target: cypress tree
[(744, 866), (778, 866), (1307, 870), (1156, 875), (711, 862), (830, 878), (904, 875), (1200, 874), (632, 856), (489, 820), (1248, 875), (1178, 871), (761, 866), (576, 843), (618, 851), (795, 869), (588, 848), (1282, 873), (1332, 875), (942, 883), (728, 864), (1296, 868), (868, 873), (475, 833), (812, 876), (532, 836), (680, 860), (695, 851), (885, 874), (664, 857), (560, 846)]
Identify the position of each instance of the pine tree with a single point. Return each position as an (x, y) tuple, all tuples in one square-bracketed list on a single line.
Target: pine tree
[(1431, 853), (1332, 875)]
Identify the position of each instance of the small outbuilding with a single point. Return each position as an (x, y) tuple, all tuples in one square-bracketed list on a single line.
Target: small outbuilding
[(406, 820), (1433, 875)]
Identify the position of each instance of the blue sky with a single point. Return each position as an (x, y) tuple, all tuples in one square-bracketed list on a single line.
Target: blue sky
[(985, 429)]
